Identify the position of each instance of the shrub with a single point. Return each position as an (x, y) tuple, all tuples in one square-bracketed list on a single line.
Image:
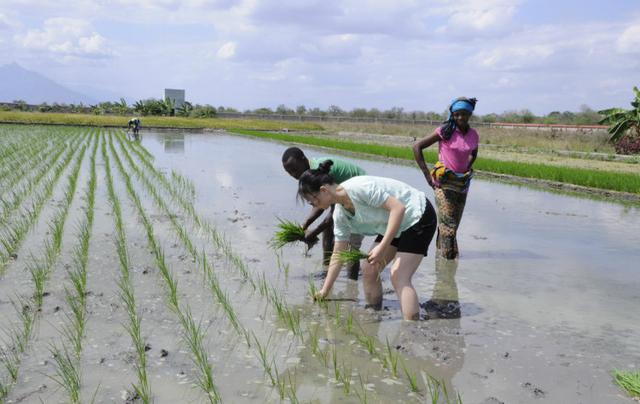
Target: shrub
[(628, 144)]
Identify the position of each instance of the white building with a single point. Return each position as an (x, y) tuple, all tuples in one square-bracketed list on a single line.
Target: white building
[(176, 97)]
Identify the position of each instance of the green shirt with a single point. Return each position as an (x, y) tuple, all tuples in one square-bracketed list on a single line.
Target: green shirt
[(368, 193), (340, 170)]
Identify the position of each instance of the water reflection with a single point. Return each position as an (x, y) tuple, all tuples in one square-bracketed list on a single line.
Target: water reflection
[(173, 143)]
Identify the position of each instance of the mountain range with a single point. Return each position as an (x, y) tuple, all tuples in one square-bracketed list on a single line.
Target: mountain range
[(18, 83)]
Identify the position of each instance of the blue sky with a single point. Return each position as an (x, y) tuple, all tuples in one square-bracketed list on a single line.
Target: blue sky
[(541, 55)]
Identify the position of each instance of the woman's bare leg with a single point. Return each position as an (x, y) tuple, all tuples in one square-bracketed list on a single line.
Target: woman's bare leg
[(371, 278), (402, 270)]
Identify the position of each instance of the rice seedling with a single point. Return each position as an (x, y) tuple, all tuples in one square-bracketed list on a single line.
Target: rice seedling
[(263, 357), (291, 391), (412, 378), (348, 322), (392, 359), (362, 392), (337, 372), (67, 373), (346, 376), (288, 232), (351, 256), (629, 381), (280, 382)]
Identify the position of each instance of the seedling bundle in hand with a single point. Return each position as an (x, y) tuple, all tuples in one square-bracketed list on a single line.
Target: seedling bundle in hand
[(351, 256), (289, 232)]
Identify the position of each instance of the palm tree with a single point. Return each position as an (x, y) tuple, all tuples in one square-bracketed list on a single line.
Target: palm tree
[(621, 120)]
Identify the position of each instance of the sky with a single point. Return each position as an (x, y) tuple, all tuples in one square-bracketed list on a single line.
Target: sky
[(539, 55)]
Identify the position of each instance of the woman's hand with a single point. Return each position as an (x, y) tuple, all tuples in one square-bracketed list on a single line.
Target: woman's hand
[(376, 256), (320, 295)]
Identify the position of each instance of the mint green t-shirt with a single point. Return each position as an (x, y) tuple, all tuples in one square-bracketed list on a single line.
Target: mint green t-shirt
[(340, 170), (368, 193)]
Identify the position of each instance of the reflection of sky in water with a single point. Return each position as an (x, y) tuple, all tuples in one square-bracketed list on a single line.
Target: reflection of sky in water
[(524, 251)]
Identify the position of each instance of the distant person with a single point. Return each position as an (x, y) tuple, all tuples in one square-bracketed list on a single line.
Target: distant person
[(295, 163), (134, 124), (451, 176), (401, 216)]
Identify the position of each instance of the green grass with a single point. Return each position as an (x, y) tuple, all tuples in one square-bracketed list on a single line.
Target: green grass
[(150, 121), (622, 182), (629, 381)]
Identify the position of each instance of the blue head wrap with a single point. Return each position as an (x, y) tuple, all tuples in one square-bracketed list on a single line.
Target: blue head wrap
[(462, 103)]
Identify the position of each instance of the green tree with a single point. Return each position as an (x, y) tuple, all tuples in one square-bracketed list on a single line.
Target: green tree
[(621, 120)]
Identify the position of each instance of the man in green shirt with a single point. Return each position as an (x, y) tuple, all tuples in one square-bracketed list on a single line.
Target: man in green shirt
[(295, 163)]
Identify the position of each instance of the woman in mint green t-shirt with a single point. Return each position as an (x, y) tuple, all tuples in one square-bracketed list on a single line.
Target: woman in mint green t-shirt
[(401, 216)]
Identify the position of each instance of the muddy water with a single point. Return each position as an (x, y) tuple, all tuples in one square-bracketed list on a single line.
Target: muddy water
[(547, 283)]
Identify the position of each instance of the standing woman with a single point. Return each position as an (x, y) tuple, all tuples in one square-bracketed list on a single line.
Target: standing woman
[(451, 176), (401, 216)]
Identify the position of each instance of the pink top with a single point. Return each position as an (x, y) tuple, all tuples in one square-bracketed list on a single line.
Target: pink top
[(455, 153)]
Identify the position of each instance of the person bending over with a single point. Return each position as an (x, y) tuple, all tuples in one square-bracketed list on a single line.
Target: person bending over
[(295, 163), (401, 216)]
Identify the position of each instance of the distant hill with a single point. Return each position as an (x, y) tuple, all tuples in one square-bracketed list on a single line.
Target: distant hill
[(18, 83)]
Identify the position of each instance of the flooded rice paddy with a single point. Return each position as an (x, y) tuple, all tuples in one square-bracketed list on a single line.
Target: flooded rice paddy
[(184, 301)]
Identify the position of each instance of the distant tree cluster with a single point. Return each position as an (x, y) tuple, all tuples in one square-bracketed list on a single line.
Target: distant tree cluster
[(158, 107), (586, 116)]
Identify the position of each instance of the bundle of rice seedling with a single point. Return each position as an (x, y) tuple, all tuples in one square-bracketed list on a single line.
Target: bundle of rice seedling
[(629, 380), (289, 232), (351, 256)]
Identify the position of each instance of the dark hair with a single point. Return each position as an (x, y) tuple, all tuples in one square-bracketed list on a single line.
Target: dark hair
[(293, 152), (449, 126), (311, 180)]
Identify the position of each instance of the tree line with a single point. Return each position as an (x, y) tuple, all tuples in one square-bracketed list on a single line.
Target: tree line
[(159, 107)]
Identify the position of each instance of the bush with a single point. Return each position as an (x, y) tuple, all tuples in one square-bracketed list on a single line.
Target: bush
[(628, 144)]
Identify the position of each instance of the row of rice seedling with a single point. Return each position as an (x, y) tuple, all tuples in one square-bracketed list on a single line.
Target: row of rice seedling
[(39, 269), (67, 357), (269, 365), (616, 181), (13, 234), (15, 166), (390, 359), (290, 318), (127, 295), (22, 181), (210, 277), (193, 333)]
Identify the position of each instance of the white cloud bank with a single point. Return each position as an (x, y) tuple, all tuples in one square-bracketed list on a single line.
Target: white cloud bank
[(66, 37)]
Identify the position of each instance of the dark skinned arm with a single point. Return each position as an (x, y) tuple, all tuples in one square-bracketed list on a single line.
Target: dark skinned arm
[(326, 223), (474, 155), (315, 213), (417, 155)]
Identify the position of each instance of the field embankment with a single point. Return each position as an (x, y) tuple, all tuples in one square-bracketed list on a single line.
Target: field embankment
[(149, 121), (618, 181)]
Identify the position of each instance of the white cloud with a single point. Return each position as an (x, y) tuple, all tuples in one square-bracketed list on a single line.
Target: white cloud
[(629, 40), (513, 58), (66, 37), (473, 17), (5, 23), (227, 51)]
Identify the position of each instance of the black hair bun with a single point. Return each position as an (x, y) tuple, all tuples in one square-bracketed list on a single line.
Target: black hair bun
[(325, 166)]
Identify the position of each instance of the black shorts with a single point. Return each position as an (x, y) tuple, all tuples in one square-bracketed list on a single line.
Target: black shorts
[(416, 239)]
